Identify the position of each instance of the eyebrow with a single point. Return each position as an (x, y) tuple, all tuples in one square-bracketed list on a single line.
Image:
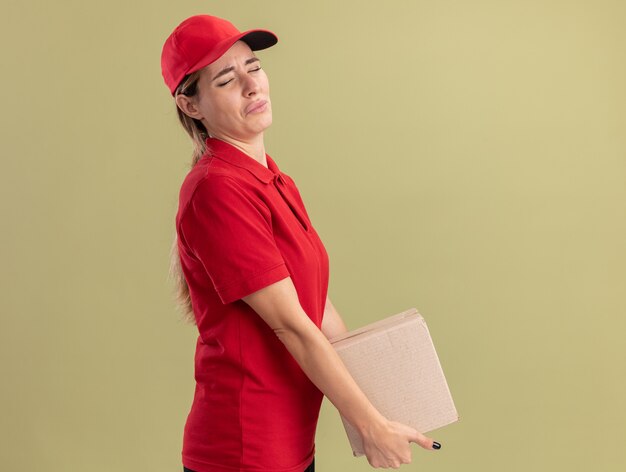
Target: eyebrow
[(228, 69)]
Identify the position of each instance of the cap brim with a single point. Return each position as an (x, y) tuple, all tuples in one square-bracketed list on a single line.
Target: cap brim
[(259, 39)]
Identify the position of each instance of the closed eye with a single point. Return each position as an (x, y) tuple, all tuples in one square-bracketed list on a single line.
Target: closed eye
[(224, 83), (256, 69)]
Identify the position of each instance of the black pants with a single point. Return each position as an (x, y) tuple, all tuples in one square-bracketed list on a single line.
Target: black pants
[(310, 468)]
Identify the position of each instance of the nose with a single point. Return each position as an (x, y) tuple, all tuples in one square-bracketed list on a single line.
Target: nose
[(250, 86)]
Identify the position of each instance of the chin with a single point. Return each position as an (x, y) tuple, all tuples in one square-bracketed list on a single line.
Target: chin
[(266, 123)]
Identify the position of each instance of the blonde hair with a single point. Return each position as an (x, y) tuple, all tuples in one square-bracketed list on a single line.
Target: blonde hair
[(198, 134)]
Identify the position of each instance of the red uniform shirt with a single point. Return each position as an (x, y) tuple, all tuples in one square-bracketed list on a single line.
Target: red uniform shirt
[(242, 226)]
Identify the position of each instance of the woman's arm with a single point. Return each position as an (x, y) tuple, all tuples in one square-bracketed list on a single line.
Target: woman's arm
[(332, 323), (386, 443)]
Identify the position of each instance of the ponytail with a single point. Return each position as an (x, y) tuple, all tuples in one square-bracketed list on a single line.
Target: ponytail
[(198, 133)]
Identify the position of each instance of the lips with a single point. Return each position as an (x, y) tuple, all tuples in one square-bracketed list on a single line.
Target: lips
[(255, 106)]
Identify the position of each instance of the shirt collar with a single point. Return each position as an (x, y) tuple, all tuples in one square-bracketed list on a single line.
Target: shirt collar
[(229, 153)]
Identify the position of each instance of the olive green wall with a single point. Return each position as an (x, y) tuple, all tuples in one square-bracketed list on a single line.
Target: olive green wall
[(465, 158)]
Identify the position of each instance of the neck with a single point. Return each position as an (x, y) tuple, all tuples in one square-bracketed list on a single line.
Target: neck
[(254, 148)]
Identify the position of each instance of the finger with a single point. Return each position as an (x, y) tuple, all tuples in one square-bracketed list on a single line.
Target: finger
[(425, 441)]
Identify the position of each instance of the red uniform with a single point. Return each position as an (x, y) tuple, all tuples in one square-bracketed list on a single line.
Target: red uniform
[(242, 226)]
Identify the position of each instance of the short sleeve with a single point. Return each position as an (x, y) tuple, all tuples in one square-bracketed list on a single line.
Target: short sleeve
[(229, 230)]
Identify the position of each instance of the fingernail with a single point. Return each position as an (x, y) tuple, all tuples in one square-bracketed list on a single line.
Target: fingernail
[(436, 445)]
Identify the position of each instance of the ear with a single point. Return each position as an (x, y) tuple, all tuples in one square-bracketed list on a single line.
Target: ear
[(188, 106)]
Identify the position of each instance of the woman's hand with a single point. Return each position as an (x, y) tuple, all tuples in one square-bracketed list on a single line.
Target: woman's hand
[(387, 443)]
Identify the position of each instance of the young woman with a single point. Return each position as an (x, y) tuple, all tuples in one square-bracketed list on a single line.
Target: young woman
[(253, 275)]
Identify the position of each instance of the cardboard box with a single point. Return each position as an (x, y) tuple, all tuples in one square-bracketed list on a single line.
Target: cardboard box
[(395, 363)]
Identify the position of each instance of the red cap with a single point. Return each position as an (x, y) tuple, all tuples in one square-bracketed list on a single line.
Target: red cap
[(199, 41)]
